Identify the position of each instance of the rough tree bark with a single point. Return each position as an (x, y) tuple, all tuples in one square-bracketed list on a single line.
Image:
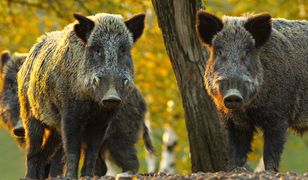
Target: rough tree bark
[(177, 19)]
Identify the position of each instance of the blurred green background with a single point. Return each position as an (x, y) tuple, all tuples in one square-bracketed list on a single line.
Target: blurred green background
[(22, 21)]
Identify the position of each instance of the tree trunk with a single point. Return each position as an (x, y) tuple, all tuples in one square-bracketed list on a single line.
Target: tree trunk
[(176, 19)]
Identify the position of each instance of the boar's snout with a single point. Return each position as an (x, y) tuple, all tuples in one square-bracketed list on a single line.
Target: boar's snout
[(233, 99), (111, 99), (19, 129)]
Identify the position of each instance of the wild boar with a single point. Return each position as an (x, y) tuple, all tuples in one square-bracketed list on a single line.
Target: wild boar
[(10, 65), (72, 84), (257, 77), (9, 104)]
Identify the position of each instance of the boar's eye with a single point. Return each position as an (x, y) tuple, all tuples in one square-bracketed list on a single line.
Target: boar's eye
[(98, 52), (122, 49), (243, 59), (247, 50), (218, 50)]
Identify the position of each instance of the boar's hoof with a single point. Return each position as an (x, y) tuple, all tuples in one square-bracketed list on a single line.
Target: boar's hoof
[(126, 176), (68, 178), (55, 178), (239, 170), (86, 178)]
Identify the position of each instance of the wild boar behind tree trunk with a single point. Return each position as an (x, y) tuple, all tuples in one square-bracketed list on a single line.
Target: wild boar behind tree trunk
[(9, 105), (72, 83), (257, 77), (10, 65)]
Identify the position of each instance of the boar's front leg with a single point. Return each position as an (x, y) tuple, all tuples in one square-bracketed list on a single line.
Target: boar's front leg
[(94, 134), (34, 137), (51, 145), (39, 153), (71, 138), (57, 164), (274, 139), (239, 144)]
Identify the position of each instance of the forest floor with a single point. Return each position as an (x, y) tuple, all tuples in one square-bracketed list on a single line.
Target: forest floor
[(265, 175)]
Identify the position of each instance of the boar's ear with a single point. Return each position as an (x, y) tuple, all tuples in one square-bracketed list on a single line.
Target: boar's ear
[(260, 27), (84, 27), (5, 57), (135, 25), (207, 26)]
